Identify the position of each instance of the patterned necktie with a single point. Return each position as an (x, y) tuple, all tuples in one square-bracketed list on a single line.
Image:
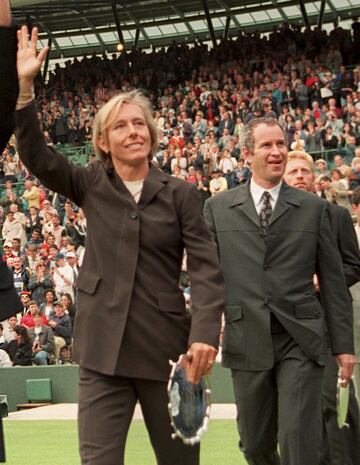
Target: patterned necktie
[(265, 214)]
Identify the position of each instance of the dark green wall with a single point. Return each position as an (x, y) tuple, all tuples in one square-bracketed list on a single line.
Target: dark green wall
[(64, 383)]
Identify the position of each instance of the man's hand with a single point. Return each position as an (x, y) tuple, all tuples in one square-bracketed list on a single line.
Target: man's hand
[(200, 359), (28, 60), (346, 364)]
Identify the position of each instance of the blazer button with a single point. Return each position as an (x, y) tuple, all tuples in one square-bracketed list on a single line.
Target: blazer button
[(133, 215), (267, 267)]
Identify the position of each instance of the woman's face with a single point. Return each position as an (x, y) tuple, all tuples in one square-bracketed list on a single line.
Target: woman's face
[(65, 301), (335, 176), (128, 137)]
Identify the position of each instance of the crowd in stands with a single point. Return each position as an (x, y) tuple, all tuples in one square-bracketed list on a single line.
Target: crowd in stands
[(202, 98)]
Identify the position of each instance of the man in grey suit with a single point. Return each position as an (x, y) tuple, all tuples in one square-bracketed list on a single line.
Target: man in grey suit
[(272, 239)]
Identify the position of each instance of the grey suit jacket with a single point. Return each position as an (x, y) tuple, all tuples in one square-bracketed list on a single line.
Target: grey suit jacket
[(131, 316), (277, 276)]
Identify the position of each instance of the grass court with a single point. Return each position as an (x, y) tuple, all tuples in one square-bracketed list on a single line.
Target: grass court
[(50, 442)]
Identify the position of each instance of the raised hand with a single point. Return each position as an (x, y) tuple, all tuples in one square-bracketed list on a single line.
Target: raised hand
[(28, 60)]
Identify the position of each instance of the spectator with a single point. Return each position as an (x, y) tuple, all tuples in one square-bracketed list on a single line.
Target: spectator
[(48, 307), (20, 349), (61, 325), (9, 329), (63, 276), (69, 306), (218, 182), (42, 339), (39, 282), (12, 228), (32, 194), (28, 320), (21, 276)]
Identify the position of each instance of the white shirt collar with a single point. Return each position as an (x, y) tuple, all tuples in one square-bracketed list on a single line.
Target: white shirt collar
[(257, 192)]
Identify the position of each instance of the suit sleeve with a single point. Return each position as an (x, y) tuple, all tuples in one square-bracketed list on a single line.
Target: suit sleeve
[(8, 83), (206, 281), (349, 249), (53, 169), (334, 292)]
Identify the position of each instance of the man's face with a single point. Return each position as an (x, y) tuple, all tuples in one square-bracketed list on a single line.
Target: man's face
[(33, 308), (55, 220), (38, 320), (269, 156), (12, 322), (35, 236), (59, 310), (338, 160), (17, 263), (299, 174)]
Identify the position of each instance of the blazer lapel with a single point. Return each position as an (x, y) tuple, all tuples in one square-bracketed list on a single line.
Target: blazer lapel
[(287, 197), (243, 200), (154, 182)]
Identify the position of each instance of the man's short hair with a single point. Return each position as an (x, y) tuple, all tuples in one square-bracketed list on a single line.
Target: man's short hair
[(300, 155), (249, 128)]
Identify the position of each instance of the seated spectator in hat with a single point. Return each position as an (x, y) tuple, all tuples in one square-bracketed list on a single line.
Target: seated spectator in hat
[(21, 275), (7, 251), (60, 322), (28, 319), (42, 340), (218, 183), (63, 276), (39, 282), (25, 297), (47, 307), (321, 168), (20, 349)]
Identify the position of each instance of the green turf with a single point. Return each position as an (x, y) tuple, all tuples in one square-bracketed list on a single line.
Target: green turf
[(55, 443)]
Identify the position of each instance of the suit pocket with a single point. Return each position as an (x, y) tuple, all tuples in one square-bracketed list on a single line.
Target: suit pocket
[(234, 334), (308, 310), (88, 282), (171, 302)]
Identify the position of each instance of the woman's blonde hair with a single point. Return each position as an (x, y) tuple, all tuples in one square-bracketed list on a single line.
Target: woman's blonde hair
[(107, 114)]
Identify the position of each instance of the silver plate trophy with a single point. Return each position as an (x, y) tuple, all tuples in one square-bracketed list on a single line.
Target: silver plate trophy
[(342, 403), (189, 404)]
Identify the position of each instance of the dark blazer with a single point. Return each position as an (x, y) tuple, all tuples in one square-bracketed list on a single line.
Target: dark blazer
[(8, 83), (277, 277), (131, 315), (345, 238), (9, 301)]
